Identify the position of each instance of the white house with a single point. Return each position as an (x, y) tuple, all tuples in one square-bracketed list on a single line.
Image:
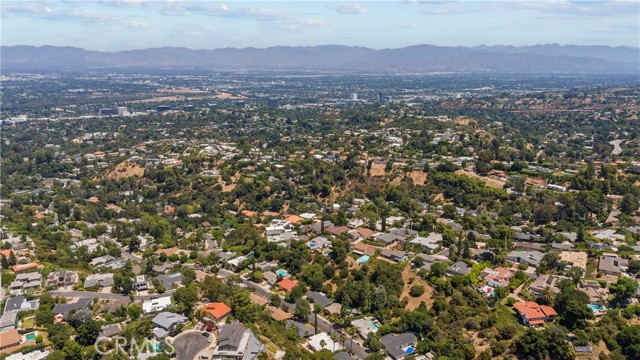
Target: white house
[(323, 341), (156, 305)]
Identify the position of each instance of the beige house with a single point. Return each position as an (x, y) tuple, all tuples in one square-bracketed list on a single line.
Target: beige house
[(574, 259)]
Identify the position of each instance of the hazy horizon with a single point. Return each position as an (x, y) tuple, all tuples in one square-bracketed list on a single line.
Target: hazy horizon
[(319, 45), (138, 24)]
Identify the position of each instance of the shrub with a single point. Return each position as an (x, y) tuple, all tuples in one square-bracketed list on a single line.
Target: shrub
[(416, 290)]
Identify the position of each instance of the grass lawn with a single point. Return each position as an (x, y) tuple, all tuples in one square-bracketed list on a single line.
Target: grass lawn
[(29, 322), (592, 266)]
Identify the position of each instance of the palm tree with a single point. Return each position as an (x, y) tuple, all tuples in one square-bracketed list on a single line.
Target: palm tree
[(317, 308), (547, 296)]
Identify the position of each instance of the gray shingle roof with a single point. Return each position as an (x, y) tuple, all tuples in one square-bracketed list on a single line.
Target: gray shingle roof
[(230, 335), (20, 303), (319, 298), (168, 281), (168, 320), (304, 330), (394, 343), (110, 330), (66, 308), (343, 356)]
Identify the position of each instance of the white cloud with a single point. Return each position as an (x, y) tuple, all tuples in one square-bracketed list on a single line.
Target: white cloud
[(558, 7), (138, 24), (348, 8), (52, 11)]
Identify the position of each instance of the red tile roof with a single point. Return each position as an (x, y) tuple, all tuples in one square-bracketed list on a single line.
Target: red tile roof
[(288, 284), (218, 310), (21, 267), (533, 312)]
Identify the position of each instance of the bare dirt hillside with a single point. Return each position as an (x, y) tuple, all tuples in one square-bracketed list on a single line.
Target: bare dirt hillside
[(126, 169)]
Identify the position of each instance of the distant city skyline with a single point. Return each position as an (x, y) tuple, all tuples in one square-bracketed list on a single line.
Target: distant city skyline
[(113, 25)]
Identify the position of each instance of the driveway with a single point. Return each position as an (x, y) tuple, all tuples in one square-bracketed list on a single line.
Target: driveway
[(189, 344)]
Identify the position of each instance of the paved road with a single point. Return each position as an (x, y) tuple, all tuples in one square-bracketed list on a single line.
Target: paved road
[(106, 296), (131, 257), (515, 293), (617, 149), (346, 340), (189, 344)]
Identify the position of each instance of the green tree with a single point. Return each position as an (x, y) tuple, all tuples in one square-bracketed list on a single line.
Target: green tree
[(185, 298), (44, 315), (88, 332), (547, 297), (416, 290), (72, 350), (303, 309), (575, 315), (134, 312), (317, 309), (138, 330), (629, 341), (122, 283), (58, 334), (370, 212), (629, 204), (373, 342), (438, 269), (188, 275), (624, 288), (243, 309)]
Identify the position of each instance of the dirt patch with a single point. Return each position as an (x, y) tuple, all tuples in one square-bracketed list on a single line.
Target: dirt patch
[(418, 177), (232, 185), (488, 182), (414, 302), (126, 169), (479, 344), (377, 170), (601, 348), (397, 181), (463, 121), (182, 91), (229, 96)]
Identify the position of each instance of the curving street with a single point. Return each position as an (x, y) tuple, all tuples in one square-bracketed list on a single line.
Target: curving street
[(189, 344)]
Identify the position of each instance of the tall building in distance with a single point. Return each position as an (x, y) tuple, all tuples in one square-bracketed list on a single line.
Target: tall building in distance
[(122, 110), (107, 112), (272, 103), (382, 97), (353, 96)]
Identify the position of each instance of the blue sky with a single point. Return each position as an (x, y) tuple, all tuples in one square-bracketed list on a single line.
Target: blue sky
[(112, 25)]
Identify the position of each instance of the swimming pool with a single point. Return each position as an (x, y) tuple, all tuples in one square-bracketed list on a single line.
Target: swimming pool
[(282, 272), (595, 307), (363, 259), (30, 336), (410, 350), (312, 245), (375, 326), (156, 347)]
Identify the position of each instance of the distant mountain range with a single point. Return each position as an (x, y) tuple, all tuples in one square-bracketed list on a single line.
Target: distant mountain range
[(419, 58)]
